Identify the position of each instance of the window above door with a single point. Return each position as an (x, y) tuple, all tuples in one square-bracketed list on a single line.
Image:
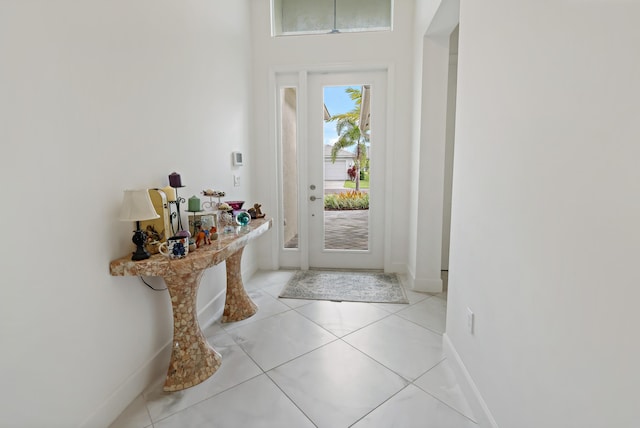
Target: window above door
[(296, 17)]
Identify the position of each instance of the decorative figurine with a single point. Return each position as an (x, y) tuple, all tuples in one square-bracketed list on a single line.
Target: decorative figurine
[(153, 235), (256, 212), (203, 237)]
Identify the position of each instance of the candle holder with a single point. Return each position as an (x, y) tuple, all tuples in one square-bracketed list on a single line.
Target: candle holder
[(176, 214)]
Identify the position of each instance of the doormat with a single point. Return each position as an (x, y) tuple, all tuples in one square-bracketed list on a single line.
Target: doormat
[(371, 287)]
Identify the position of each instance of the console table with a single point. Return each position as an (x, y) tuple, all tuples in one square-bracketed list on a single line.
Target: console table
[(193, 360)]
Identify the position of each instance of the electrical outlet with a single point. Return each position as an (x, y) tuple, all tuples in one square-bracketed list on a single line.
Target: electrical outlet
[(236, 180), (470, 320)]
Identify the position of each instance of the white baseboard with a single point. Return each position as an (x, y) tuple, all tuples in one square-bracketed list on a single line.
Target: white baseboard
[(129, 390), (399, 268), (212, 311), (149, 372), (426, 285), (470, 390)]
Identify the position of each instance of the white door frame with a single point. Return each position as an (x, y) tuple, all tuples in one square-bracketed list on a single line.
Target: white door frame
[(300, 259)]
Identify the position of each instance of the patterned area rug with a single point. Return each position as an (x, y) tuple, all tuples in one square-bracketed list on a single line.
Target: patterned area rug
[(345, 286)]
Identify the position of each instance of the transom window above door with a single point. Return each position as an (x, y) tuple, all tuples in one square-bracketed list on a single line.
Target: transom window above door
[(295, 17)]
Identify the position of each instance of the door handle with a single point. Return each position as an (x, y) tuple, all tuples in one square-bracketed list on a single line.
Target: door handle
[(312, 198)]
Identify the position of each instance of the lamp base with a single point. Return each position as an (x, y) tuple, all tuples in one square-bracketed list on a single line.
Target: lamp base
[(139, 238)]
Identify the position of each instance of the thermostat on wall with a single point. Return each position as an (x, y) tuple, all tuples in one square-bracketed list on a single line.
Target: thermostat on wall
[(237, 158)]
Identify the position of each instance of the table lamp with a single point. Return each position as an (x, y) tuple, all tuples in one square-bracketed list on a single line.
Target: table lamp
[(137, 206)]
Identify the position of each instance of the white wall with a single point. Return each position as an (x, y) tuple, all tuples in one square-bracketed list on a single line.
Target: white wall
[(98, 97), (340, 50), (429, 145), (452, 87), (545, 237)]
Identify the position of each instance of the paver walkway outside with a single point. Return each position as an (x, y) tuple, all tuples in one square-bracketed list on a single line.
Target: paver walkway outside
[(345, 229)]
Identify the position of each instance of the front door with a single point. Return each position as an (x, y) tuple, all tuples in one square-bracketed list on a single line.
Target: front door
[(346, 226)]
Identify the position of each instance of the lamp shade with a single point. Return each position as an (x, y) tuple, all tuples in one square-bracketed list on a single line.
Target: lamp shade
[(137, 206)]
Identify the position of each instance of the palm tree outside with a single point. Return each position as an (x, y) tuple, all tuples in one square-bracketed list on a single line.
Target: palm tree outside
[(349, 132)]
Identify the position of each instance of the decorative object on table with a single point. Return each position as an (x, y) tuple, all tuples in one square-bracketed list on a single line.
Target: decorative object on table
[(170, 193), (193, 208), (256, 212), (345, 286), (207, 221), (203, 220), (209, 205), (158, 229), (183, 234), (194, 204), (226, 221), (243, 218), (204, 225), (176, 247), (204, 237), (137, 206), (235, 205), (225, 215), (218, 194), (175, 182), (186, 234)]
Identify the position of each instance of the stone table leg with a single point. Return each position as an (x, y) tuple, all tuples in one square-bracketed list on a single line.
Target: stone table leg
[(192, 359), (238, 304)]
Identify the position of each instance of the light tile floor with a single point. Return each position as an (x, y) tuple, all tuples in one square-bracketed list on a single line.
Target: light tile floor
[(303, 363)]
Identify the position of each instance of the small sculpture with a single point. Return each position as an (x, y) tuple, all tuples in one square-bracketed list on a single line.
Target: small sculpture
[(153, 235), (203, 238), (154, 238), (256, 212)]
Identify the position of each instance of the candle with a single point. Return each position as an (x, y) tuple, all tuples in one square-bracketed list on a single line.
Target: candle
[(175, 180), (194, 204), (170, 192)]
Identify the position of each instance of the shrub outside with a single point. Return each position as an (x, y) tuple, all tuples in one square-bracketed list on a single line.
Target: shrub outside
[(351, 200)]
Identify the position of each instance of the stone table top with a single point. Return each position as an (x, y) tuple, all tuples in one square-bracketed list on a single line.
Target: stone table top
[(202, 258)]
